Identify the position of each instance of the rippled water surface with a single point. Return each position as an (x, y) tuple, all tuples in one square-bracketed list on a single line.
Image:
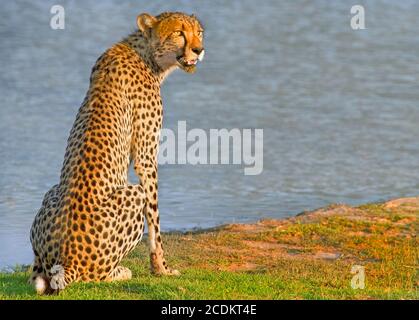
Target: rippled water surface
[(339, 108)]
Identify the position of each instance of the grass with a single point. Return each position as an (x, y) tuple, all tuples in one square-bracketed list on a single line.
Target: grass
[(306, 257)]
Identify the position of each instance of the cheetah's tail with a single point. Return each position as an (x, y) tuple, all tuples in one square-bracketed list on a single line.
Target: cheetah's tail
[(41, 285)]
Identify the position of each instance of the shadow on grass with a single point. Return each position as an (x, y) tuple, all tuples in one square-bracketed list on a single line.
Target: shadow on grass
[(152, 291)]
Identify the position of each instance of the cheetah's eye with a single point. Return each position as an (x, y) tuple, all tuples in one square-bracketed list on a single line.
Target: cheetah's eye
[(200, 33), (177, 33)]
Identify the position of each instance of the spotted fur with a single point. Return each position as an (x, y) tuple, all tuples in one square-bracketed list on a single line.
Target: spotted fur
[(90, 220)]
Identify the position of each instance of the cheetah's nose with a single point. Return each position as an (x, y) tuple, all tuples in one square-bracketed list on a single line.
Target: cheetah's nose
[(200, 52), (197, 50)]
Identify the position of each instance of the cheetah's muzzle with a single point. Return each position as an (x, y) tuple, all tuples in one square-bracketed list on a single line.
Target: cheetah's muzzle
[(190, 65)]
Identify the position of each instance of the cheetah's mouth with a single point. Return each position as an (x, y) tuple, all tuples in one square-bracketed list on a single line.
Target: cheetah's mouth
[(187, 65)]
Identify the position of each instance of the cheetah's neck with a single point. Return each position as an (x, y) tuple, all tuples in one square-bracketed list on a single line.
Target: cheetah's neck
[(146, 51)]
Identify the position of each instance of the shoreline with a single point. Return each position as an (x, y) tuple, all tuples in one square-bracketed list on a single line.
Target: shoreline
[(20, 267), (307, 256)]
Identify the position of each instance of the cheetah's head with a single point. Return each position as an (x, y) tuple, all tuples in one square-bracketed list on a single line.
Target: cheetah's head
[(176, 39)]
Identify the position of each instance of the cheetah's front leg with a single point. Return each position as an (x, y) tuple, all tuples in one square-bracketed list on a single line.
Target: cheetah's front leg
[(158, 263)]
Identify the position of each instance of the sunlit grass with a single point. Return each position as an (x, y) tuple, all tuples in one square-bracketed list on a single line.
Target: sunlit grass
[(308, 257)]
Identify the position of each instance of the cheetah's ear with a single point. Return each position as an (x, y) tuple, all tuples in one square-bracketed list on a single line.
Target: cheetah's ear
[(145, 22)]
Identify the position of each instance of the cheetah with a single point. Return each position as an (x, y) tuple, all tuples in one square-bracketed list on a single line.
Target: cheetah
[(93, 218)]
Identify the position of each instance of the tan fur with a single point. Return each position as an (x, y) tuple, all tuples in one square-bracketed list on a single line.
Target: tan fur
[(93, 218)]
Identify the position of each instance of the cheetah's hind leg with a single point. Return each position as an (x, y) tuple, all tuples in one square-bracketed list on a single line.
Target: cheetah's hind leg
[(128, 204)]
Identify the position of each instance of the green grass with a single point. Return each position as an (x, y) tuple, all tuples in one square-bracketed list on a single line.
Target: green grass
[(308, 257)]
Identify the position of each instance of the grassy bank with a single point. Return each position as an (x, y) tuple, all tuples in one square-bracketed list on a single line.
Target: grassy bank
[(306, 257)]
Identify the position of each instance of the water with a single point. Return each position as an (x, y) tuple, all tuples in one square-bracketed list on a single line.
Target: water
[(339, 108)]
